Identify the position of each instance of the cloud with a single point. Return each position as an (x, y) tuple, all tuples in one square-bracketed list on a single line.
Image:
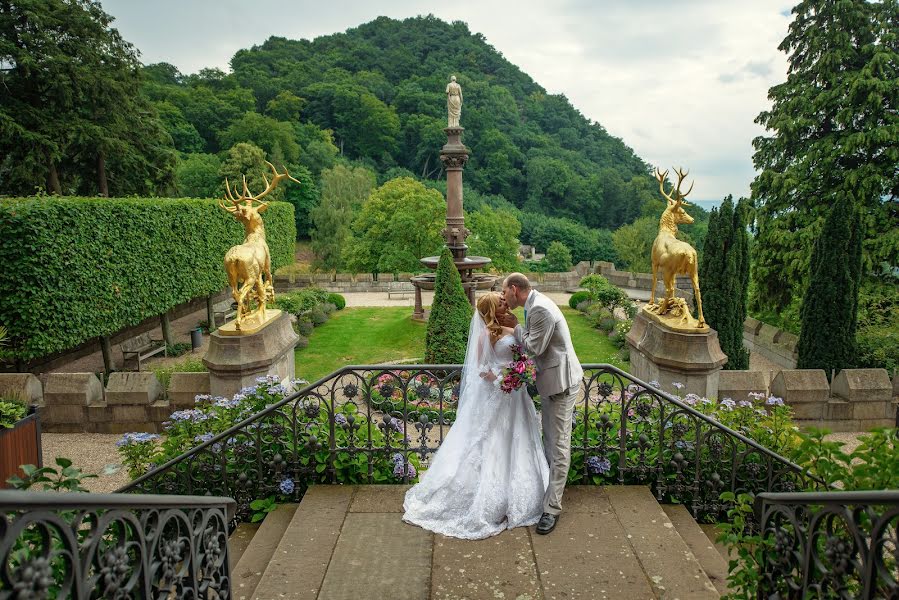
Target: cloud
[(681, 83)]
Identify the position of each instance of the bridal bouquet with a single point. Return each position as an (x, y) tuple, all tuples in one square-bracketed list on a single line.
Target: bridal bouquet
[(521, 371)]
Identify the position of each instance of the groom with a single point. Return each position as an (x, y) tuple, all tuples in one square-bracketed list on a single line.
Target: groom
[(546, 339)]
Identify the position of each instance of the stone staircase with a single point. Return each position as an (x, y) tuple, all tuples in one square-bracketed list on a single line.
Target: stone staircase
[(349, 543)]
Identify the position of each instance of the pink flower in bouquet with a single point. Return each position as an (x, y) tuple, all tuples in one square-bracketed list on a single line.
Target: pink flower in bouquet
[(520, 367)]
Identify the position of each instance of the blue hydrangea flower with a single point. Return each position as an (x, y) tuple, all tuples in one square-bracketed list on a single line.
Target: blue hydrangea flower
[(678, 385), (136, 438), (598, 465), (340, 420), (745, 403), (201, 398), (774, 401), (728, 404), (287, 486)]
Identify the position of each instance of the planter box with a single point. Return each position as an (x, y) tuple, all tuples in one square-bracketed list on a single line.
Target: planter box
[(20, 445)]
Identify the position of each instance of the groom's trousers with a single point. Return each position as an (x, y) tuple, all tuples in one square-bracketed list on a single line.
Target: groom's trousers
[(556, 411)]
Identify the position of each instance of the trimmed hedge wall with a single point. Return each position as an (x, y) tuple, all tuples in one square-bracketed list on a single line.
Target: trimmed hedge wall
[(78, 268)]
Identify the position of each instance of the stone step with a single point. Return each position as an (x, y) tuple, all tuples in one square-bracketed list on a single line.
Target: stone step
[(239, 541), (703, 549), (669, 564), (256, 556), (711, 532), (588, 555), (298, 565)]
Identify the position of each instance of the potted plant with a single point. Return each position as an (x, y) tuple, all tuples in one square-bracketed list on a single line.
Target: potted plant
[(20, 436)]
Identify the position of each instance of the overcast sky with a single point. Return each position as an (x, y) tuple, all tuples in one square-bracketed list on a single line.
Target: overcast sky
[(680, 82)]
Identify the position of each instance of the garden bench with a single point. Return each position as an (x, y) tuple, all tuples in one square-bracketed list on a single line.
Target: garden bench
[(223, 309), (141, 348), (399, 287)]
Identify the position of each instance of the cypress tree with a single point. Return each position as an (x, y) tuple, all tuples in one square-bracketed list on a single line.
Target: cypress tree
[(827, 337), (447, 334), (723, 277)]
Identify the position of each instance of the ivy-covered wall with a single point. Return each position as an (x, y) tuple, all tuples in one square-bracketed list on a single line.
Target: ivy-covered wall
[(76, 268)]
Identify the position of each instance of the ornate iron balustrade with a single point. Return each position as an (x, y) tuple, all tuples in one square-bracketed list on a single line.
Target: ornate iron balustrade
[(376, 424), (829, 545), (73, 545)]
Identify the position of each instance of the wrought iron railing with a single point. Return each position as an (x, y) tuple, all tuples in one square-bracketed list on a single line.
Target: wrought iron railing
[(829, 545), (368, 424), (79, 546)]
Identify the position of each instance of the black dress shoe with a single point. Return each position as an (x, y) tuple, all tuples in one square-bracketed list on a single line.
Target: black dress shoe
[(547, 523)]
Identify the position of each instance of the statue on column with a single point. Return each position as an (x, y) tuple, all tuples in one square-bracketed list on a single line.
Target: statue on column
[(453, 102)]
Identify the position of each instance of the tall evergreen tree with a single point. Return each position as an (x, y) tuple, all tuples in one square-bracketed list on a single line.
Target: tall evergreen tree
[(833, 129), (448, 323), (829, 309), (723, 275)]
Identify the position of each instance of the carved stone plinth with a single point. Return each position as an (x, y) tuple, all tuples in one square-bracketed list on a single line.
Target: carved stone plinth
[(661, 354), (235, 361)]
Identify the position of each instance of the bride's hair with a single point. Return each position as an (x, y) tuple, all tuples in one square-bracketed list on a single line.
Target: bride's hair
[(487, 305)]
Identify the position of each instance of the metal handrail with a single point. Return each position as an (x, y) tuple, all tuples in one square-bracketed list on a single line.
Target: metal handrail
[(16, 499)]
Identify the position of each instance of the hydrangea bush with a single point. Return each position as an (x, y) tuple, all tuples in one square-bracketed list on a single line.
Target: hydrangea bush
[(299, 463)]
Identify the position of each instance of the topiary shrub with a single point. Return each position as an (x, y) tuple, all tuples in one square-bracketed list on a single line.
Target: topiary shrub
[(303, 327), (327, 308), (318, 316), (558, 258), (337, 300), (448, 324), (577, 298)]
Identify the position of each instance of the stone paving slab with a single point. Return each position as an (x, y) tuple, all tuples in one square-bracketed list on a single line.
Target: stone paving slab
[(664, 556), (379, 499), (379, 557), (502, 566), (588, 555), (299, 563)]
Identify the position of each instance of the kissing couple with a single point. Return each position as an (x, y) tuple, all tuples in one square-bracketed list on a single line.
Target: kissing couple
[(493, 471)]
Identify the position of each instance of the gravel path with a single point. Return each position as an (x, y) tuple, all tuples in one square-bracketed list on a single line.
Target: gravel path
[(93, 453)]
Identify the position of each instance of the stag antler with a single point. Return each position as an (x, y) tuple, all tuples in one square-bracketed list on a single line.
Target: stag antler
[(679, 197)]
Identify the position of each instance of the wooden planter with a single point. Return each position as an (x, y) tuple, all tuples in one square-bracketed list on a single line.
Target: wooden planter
[(20, 445)]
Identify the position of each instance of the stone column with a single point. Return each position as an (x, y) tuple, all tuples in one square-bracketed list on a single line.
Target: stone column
[(454, 155), (419, 312)]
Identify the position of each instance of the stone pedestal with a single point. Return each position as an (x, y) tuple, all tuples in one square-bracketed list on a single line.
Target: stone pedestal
[(660, 354), (235, 361)]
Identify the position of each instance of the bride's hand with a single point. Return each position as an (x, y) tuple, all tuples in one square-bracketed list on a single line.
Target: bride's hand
[(488, 375)]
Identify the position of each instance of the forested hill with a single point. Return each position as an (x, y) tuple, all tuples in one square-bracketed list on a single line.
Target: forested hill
[(380, 89)]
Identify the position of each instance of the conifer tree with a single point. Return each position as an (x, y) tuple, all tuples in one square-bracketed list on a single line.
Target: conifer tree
[(447, 334), (827, 338)]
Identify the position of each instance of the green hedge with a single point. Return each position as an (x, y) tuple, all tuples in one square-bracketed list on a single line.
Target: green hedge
[(78, 268)]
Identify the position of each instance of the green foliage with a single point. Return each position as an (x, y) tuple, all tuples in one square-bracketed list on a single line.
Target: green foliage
[(304, 197), (494, 234), (577, 298), (65, 479), (197, 176), (192, 364), (724, 279), (72, 119), (276, 138), (11, 412), (399, 224), (878, 325), (189, 428), (301, 302), (633, 244), (337, 300), (78, 268), (585, 244), (605, 295), (261, 508), (558, 258), (343, 190), (827, 144), (830, 307), (448, 323), (318, 316)]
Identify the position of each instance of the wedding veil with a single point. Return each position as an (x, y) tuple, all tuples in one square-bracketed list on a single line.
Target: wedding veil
[(480, 357)]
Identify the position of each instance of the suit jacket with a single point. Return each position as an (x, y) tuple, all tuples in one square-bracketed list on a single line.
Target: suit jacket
[(545, 337)]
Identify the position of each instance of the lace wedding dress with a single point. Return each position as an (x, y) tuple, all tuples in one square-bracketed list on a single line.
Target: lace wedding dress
[(490, 472)]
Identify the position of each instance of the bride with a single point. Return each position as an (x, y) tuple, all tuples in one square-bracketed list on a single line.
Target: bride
[(490, 473)]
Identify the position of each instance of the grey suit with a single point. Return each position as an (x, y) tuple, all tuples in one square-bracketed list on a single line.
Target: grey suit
[(546, 338)]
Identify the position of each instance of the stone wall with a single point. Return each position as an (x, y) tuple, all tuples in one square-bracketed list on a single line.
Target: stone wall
[(857, 400)]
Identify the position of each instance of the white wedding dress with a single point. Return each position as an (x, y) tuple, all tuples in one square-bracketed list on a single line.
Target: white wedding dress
[(490, 472)]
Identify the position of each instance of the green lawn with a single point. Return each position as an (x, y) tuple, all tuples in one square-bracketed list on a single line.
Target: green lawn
[(360, 336)]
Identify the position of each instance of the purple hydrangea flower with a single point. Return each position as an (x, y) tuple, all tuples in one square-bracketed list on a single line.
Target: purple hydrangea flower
[(745, 403), (201, 398), (678, 385), (691, 399), (728, 403), (226, 403), (655, 384), (340, 420), (396, 425), (287, 486), (756, 395), (136, 438), (774, 401), (400, 469), (598, 465)]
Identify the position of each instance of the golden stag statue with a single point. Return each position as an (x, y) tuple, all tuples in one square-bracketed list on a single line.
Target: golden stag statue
[(674, 257), (248, 262)]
